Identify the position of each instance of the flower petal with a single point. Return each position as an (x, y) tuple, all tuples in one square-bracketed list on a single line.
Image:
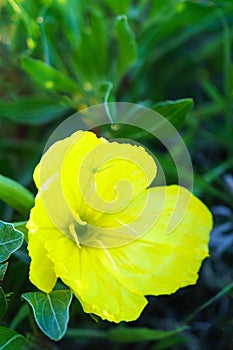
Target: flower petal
[(98, 291), (47, 176), (41, 268), (41, 229), (106, 176), (161, 262), (91, 186), (86, 179), (51, 161)]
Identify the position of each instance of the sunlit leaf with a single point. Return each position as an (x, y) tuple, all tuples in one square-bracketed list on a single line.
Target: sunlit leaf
[(30, 24), (49, 77), (51, 311), (10, 240)]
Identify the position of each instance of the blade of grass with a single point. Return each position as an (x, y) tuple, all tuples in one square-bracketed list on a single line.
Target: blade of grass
[(212, 300)]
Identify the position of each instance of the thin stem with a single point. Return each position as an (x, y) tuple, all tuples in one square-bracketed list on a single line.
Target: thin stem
[(106, 97), (209, 302)]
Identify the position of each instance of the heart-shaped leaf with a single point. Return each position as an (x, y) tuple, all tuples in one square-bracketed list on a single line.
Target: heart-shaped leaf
[(51, 311), (10, 240)]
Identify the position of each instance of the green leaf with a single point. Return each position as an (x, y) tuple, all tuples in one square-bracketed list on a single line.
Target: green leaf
[(3, 268), (3, 303), (119, 6), (10, 340), (71, 15), (32, 111), (171, 342), (21, 226), (160, 12), (98, 41), (10, 240), (136, 334), (126, 44), (51, 311), (123, 334), (174, 111), (48, 76), (30, 24), (15, 195)]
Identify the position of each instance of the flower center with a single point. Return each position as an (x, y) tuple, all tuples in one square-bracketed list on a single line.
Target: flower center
[(77, 230)]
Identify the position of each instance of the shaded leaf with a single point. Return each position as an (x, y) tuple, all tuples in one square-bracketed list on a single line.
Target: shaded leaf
[(126, 43), (31, 111), (72, 19), (51, 311), (3, 303), (99, 40), (124, 334), (160, 12), (10, 340), (174, 111), (21, 226), (171, 342), (15, 195), (95, 317), (3, 268), (136, 334), (48, 76), (10, 240)]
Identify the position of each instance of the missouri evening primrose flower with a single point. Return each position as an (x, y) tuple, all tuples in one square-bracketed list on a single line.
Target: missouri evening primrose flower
[(100, 228)]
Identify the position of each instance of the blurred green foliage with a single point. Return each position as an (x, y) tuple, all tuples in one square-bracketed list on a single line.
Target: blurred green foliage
[(59, 56)]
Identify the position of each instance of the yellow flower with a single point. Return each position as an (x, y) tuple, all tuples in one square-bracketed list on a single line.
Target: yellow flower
[(100, 228)]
